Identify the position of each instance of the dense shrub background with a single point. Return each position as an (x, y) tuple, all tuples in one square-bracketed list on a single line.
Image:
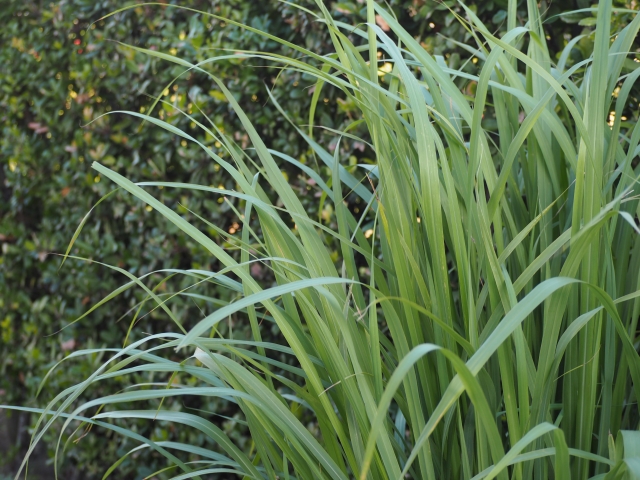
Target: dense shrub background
[(60, 71)]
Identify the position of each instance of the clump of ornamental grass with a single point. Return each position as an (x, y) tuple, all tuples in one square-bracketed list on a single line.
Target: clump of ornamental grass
[(481, 320)]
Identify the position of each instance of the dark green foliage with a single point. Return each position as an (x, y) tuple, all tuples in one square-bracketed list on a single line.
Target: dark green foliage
[(58, 75)]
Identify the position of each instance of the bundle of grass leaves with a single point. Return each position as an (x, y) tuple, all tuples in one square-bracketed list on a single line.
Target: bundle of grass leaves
[(481, 319)]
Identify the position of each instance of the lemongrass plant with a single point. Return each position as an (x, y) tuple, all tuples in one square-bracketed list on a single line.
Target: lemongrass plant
[(493, 335)]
